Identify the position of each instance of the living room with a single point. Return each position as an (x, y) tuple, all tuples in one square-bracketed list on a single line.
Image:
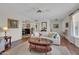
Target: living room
[(40, 20)]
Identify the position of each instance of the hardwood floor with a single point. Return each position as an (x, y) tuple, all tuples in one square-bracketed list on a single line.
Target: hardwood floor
[(64, 42), (72, 48)]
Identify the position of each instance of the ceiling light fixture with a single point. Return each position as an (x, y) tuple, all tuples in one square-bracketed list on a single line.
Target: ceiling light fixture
[(39, 11)]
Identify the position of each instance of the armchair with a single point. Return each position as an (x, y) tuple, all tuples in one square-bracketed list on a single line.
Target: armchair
[(56, 38), (2, 44)]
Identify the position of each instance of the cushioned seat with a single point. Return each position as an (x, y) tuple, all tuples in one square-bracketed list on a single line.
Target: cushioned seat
[(54, 36), (2, 44)]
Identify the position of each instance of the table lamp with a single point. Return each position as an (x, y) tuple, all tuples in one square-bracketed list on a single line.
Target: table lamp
[(5, 29)]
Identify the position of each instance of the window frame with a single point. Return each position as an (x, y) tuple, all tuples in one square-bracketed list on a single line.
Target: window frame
[(74, 23)]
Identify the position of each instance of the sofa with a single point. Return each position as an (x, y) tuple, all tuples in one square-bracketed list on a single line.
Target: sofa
[(54, 36), (2, 44)]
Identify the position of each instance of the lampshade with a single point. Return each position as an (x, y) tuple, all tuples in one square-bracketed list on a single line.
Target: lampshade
[(5, 29)]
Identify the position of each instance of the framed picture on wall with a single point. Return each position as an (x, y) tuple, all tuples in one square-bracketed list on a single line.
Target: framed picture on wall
[(55, 25), (12, 23), (43, 26), (66, 25)]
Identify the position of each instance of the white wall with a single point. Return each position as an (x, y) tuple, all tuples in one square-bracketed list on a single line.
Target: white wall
[(15, 33), (77, 42), (59, 30), (33, 25), (70, 36), (76, 18), (64, 23), (70, 30), (39, 25)]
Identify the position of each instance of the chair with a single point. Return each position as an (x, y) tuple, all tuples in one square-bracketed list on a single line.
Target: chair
[(2, 44), (56, 38)]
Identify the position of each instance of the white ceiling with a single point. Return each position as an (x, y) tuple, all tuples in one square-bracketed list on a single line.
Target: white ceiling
[(29, 10)]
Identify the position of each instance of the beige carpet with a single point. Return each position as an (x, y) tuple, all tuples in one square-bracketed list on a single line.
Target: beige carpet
[(23, 49)]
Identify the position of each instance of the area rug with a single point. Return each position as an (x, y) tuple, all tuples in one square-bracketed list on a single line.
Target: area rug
[(23, 49)]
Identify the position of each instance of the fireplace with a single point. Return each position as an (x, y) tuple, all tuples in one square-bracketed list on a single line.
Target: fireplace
[(25, 31)]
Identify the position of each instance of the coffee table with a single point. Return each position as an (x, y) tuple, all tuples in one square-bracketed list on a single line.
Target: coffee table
[(40, 44)]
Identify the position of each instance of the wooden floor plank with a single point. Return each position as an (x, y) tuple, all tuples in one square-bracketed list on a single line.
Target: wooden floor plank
[(72, 48)]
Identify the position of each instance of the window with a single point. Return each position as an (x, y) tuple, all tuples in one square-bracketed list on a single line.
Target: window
[(76, 25)]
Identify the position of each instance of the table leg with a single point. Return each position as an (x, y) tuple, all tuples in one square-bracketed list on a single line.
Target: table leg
[(46, 53), (30, 49)]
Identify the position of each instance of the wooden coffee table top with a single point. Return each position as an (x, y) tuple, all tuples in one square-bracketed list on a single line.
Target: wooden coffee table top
[(40, 41)]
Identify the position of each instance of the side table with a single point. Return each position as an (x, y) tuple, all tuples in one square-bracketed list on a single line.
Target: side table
[(7, 42)]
